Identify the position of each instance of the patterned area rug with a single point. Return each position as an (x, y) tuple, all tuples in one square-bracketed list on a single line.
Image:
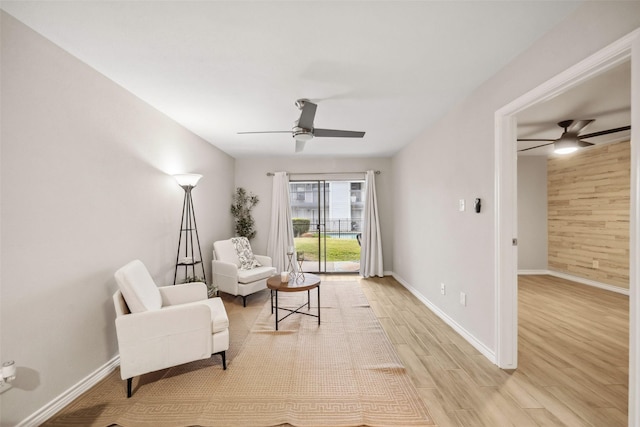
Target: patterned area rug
[(344, 372)]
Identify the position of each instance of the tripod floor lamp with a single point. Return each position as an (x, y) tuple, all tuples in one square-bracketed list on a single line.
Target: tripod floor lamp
[(186, 257)]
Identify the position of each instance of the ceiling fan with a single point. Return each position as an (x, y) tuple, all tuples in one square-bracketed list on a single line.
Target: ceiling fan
[(571, 140), (303, 129)]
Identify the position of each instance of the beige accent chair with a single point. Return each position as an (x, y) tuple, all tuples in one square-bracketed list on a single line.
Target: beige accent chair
[(161, 327), (231, 279)]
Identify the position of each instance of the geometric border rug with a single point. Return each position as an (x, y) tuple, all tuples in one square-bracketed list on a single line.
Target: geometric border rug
[(344, 372)]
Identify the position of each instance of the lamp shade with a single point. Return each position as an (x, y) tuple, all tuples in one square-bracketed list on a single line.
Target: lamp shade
[(187, 179)]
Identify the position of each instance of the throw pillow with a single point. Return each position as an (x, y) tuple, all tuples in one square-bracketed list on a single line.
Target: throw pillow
[(245, 254)]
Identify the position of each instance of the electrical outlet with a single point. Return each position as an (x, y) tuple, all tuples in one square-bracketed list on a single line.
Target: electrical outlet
[(461, 205), (463, 298), (596, 263), (443, 290)]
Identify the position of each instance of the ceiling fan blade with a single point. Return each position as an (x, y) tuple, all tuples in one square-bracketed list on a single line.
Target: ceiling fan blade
[(577, 125), (537, 146), (299, 145), (266, 131), (584, 144), (535, 139), (334, 133), (307, 115), (606, 132)]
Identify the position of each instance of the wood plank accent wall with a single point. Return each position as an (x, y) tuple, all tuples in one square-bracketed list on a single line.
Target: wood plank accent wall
[(588, 213)]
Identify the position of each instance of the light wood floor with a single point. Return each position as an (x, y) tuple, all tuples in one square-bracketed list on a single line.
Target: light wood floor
[(573, 357)]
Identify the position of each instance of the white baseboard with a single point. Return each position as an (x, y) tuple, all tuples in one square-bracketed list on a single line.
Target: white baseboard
[(486, 351), (581, 280), (50, 409), (532, 272), (589, 282)]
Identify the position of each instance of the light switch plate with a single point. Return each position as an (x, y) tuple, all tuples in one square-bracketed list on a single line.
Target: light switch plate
[(461, 205)]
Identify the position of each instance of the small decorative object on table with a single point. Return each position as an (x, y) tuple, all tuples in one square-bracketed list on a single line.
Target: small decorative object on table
[(290, 267), (300, 258)]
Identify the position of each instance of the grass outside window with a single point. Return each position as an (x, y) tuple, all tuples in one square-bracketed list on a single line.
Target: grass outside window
[(337, 249)]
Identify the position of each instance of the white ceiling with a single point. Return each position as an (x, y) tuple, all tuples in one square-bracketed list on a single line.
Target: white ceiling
[(605, 98), (390, 68)]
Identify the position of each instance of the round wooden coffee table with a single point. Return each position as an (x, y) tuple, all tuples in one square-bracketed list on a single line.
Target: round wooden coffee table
[(307, 283)]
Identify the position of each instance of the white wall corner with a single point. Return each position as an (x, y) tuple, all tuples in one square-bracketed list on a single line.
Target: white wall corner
[(468, 336), (634, 238), (506, 253)]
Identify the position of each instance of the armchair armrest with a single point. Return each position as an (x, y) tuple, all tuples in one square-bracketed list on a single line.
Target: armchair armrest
[(183, 293), (225, 276), (264, 260), (224, 268), (158, 339), (163, 322)]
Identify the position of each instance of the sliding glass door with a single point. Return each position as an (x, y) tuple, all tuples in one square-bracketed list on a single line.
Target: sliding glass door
[(327, 221)]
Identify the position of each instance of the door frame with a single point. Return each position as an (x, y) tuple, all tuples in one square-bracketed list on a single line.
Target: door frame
[(505, 219), (321, 195)]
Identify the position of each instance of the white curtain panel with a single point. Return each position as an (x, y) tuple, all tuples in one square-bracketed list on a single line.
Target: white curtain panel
[(281, 230), (371, 251)]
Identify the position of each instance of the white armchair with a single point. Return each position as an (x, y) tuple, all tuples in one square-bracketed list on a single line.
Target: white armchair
[(161, 327), (230, 278)]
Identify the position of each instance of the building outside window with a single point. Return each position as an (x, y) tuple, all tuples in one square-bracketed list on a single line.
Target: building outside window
[(342, 201)]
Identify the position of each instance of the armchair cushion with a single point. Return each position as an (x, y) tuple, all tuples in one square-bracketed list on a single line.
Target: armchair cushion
[(244, 252), (248, 276), (138, 288)]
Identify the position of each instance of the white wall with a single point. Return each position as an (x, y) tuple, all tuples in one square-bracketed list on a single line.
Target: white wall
[(85, 189), (532, 213), (453, 159), (251, 174)]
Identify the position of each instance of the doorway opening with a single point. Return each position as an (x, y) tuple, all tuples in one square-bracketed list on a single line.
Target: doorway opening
[(327, 223), (506, 316)]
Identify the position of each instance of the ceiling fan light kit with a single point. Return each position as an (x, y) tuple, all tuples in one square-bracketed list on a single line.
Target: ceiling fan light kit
[(300, 134), (304, 131), (571, 140), (565, 146)]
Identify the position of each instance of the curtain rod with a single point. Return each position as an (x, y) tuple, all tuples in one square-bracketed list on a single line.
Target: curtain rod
[(322, 173)]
